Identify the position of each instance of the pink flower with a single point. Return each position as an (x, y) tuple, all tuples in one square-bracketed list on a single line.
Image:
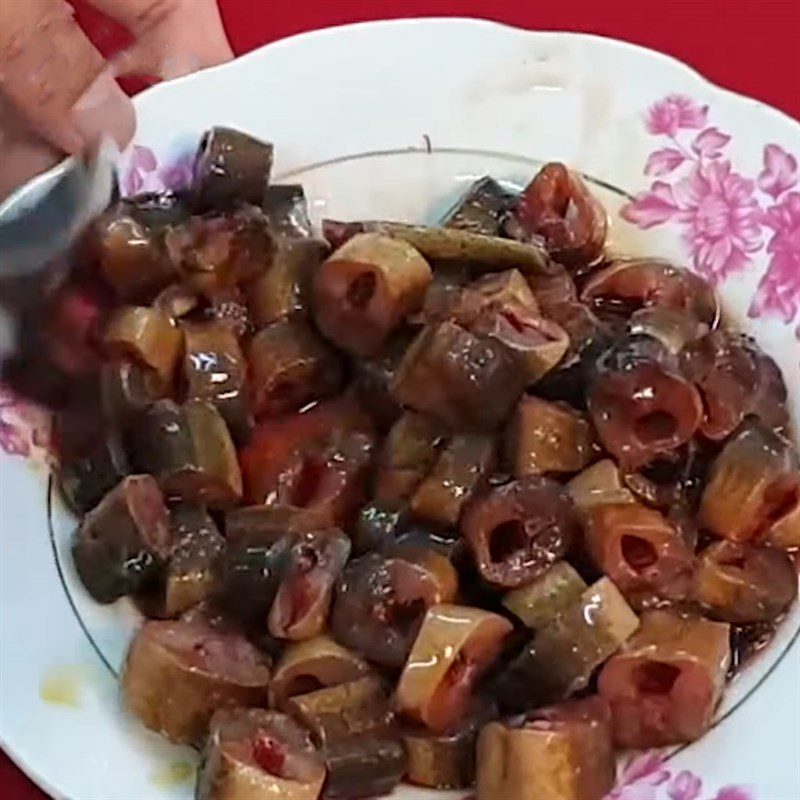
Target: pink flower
[(22, 424), (664, 161), (734, 793), (179, 174), (648, 766), (143, 162), (138, 181), (634, 791), (778, 291), (779, 173), (640, 777), (685, 786), (133, 181), (12, 440), (145, 175), (717, 208), (674, 112), (721, 219), (143, 158), (709, 142), (651, 208)]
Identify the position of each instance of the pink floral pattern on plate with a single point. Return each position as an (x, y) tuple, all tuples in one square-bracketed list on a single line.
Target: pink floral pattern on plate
[(648, 777), (725, 217), (144, 174), (24, 427)]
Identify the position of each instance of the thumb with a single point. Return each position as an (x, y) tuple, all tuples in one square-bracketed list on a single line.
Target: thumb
[(172, 37), (139, 60), (23, 153), (103, 108), (149, 58)]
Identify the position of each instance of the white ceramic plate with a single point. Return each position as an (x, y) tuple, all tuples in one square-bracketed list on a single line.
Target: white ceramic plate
[(393, 120)]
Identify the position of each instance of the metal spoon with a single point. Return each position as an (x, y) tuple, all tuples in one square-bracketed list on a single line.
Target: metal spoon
[(43, 218)]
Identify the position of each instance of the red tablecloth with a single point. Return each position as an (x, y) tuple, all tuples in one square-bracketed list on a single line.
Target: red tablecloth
[(747, 47)]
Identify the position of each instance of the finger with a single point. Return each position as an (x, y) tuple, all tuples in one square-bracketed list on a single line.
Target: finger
[(23, 153), (103, 108), (55, 77), (143, 59), (136, 61), (28, 66), (174, 37)]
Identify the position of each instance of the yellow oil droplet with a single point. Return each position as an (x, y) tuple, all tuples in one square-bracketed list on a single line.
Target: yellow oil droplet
[(173, 774), (62, 686)]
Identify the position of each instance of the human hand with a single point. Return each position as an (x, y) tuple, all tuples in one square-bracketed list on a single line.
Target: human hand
[(57, 93), (172, 37)]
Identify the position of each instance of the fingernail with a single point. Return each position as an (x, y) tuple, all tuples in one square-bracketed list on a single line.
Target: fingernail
[(104, 108)]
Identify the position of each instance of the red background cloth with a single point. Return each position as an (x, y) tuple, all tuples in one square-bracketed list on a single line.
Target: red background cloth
[(748, 47)]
